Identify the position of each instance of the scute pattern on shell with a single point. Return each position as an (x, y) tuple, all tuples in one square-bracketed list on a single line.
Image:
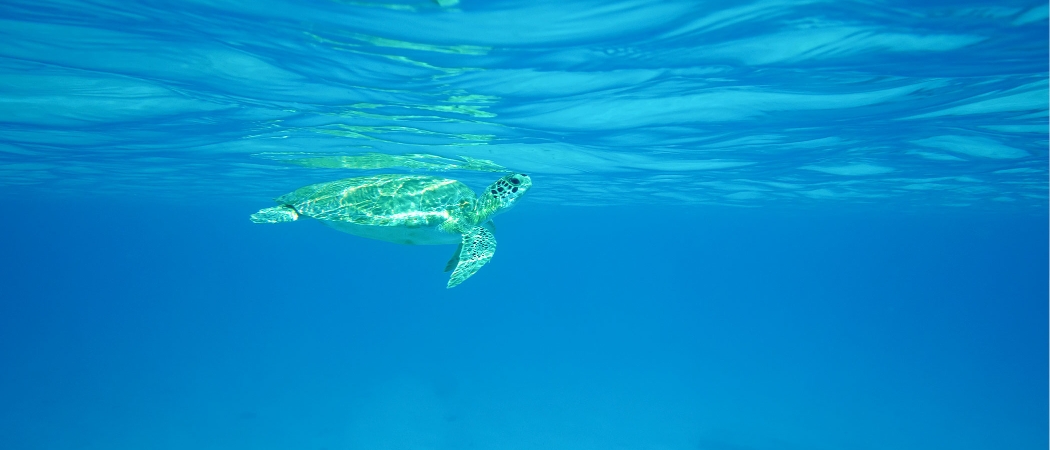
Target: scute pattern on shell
[(386, 200)]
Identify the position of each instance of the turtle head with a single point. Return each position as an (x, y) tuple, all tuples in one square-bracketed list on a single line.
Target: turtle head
[(502, 195)]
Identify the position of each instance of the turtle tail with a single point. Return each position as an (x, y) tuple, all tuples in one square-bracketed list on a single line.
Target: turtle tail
[(276, 214)]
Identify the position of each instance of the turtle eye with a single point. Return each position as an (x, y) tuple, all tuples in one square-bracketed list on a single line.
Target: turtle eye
[(515, 181)]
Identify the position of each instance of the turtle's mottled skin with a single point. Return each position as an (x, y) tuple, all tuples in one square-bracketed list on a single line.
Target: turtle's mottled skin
[(408, 209)]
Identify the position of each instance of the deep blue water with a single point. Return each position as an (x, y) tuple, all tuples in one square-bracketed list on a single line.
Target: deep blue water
[(755, 226)]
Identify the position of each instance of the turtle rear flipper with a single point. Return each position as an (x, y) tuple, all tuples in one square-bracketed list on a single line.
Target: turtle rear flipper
[(276, 214), (477, 248), (452, 263)]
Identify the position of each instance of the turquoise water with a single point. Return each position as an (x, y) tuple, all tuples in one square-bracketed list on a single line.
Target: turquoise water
[(767, 225)]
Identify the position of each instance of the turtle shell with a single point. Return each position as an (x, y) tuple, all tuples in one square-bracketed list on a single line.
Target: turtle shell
[(385, 200)]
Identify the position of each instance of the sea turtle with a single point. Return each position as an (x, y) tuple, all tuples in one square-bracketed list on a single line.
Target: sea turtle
[(408, 209)]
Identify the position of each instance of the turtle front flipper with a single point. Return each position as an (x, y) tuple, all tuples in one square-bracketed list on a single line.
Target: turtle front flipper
[(454, 261), (477, 248)]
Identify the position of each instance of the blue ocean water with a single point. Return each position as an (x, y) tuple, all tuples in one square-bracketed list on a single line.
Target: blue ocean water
[(799, 225)]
